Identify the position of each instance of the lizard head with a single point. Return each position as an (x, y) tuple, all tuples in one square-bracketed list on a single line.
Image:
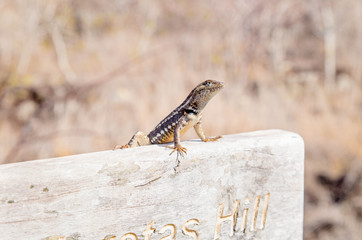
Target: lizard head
[(203, 92)]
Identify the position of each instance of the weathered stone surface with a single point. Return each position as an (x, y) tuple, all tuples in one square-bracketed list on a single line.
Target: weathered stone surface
[(257, 175)]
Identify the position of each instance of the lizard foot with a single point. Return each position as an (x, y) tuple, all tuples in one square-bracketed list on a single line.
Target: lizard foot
[(213, 139), (121, 146), (180, 150)]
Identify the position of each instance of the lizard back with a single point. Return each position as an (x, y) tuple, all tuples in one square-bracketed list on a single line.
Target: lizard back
[(163, 132)]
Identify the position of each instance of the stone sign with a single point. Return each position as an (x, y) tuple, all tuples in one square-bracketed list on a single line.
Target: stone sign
[(245, 186)]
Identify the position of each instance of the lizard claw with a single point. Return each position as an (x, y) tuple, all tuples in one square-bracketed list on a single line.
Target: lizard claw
[(213, 139), (180, 150), (121, 147)]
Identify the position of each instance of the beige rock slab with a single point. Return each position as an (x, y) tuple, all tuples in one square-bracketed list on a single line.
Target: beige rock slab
[(256, 178)]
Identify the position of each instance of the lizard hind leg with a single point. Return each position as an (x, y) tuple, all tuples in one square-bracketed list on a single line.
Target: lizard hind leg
[(138, 139)]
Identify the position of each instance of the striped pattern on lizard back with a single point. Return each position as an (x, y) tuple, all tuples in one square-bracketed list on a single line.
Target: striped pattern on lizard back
[(164, 131)]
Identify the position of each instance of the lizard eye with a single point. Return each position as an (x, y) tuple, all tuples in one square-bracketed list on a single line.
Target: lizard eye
[(207, 83)]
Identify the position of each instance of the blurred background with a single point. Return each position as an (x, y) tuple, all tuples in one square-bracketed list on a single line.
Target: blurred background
[(84, 76)]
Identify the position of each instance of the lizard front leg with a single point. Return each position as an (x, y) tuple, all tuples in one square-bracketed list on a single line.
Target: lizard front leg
[(138, 139), (200, 133), (176, 136)]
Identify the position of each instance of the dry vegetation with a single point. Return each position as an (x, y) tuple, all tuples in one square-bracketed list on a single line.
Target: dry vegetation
[(83, 76)]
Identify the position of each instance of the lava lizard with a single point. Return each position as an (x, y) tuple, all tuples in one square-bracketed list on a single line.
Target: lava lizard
[(187, 115)]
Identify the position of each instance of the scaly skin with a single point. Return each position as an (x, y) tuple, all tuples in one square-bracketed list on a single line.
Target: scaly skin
[(185, 116)]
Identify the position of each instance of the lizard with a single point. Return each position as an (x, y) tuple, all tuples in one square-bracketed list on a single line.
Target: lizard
[(185, 116)]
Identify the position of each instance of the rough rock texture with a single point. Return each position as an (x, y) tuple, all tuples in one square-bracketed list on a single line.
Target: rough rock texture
[(256, 176)]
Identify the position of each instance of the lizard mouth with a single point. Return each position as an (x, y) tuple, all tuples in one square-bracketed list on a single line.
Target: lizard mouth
[(215, 89), (219, 86)]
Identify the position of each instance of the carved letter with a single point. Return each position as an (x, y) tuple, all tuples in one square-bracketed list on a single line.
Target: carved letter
[(148, 231), (109, 237), (188, 232), (255, 213), (172, 229), (265, 209), (245, 215), (221, 218), (130, 236)]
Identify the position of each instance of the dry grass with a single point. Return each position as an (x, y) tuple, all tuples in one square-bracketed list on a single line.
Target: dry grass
[(84, 76)]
